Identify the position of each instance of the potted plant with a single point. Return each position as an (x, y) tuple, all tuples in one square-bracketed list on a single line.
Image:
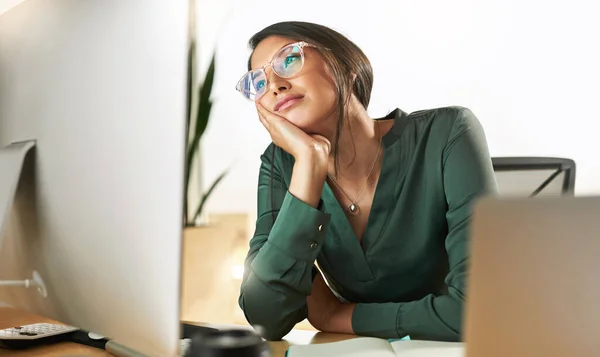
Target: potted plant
[(197, 121), (206, 245)]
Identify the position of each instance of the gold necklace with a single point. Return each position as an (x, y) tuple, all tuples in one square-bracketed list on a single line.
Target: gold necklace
[(353, 208)]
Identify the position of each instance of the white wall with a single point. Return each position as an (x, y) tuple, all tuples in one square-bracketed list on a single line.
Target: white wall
[(7, 4), (528, 69)]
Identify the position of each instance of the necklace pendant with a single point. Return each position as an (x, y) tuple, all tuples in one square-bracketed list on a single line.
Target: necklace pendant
[(353, 209)]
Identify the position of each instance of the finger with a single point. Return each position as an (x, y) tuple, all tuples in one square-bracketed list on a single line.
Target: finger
[(263, 121), (263, 113), (267, 114), (262, 118), (260, 108)]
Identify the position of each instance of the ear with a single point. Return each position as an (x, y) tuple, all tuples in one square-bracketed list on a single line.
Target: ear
[(352, 80)]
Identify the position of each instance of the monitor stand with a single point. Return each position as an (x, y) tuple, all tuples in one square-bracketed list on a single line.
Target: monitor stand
[(12, 158), (190, 330)]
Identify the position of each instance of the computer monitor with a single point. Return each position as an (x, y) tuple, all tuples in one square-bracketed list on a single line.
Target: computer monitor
[(533, 287), (99, 86), (534, 176)]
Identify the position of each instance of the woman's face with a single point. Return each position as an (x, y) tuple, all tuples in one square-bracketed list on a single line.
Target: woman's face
[(308, 99)]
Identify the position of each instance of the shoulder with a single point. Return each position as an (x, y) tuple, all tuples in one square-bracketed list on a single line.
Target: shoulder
[(446, 115), (273, 156), (268, 155), (448, 122)]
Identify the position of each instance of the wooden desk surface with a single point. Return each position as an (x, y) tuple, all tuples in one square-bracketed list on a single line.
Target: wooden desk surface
[(301, 337), (10, 317)]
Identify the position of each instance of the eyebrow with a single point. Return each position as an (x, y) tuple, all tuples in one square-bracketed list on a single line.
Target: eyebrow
[(279, 49)]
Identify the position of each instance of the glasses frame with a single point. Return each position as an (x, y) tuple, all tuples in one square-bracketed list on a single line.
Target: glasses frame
[(300, 45)]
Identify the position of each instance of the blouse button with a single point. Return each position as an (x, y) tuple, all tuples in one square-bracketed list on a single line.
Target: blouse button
[(313, 245)]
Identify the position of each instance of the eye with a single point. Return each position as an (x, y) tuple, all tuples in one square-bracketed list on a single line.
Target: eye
[(290, 59), (259, 84)]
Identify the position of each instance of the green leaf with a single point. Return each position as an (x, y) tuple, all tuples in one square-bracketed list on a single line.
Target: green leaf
[(204, 99), (203, 114), (207, 195), (202, 118), (190, 86), (196, 126), (189, 99)]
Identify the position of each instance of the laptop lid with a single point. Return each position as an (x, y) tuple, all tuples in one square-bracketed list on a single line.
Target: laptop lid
[(533, 286)]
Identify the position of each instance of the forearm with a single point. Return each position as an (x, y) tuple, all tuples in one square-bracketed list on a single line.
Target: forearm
[(289, 234), (272, 305), (308, 179), (431, 318), (279, 268)]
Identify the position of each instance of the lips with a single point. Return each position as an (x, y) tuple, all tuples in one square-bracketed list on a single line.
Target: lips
[(287, 102)]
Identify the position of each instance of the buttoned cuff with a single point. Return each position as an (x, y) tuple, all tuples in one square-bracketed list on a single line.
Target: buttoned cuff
[(378, 320), (300, 229)]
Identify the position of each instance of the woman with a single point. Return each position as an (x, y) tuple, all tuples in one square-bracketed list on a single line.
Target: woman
[(381, 205)]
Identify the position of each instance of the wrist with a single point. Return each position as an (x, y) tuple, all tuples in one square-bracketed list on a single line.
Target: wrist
[(308, 178), (340, 320), (314, 162)]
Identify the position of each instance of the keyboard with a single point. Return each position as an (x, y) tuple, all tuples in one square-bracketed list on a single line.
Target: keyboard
[(27, 336)]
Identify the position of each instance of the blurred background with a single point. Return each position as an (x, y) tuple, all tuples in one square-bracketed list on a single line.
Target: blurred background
[(527, 69)]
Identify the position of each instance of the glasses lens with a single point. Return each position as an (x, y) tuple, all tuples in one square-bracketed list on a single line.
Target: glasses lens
[(253, 85), (288, 61)]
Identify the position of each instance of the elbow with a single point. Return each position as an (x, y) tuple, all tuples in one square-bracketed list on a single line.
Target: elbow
[(268, 321), (272, 334), (269, 328), (448, 314), (454, 323)]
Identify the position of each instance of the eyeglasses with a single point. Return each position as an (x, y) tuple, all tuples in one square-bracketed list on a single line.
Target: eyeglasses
[(286, 63)]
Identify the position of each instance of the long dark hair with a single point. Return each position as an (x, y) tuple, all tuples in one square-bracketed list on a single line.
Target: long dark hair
[(342, 56)]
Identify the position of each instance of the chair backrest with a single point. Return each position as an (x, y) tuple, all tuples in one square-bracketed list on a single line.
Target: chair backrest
[(534, 176)]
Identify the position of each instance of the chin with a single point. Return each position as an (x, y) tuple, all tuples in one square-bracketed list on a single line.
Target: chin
[(304, 122)]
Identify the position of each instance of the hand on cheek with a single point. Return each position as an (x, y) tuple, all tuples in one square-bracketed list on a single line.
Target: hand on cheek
[(291, 138)]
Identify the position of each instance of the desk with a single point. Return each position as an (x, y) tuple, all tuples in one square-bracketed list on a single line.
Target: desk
[(301, 337), (10, 317)]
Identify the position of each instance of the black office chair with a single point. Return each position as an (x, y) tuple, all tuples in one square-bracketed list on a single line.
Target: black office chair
[(533, 176)]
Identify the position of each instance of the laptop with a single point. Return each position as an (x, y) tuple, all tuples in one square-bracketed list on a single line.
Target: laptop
[(534, 286)]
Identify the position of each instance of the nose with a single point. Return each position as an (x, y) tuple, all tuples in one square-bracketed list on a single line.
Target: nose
[(277, 84)]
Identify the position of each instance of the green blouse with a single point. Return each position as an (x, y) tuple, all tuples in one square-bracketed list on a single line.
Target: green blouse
[(408, 273)]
